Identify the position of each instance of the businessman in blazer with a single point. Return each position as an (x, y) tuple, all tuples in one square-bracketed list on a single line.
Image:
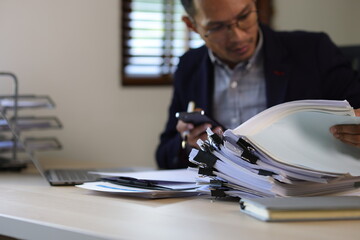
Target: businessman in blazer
[(246, 67)]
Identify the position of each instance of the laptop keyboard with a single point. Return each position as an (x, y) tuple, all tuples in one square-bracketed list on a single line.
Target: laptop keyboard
[(74, 175)]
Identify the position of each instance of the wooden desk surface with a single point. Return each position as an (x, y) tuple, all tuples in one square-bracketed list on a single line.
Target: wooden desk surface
[(31, 209)]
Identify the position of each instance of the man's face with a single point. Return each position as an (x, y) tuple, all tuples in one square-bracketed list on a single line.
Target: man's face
[(216, 22)]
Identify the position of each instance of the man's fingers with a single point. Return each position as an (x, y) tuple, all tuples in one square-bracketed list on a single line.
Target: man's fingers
[(197, 133), (349, 139), (182, 126), (349, 134), (194, 133), (345, 129), (357, 112), (218, 130)]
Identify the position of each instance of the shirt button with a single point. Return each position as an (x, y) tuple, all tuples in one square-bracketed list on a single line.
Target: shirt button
[(248, 66), (233, 84)]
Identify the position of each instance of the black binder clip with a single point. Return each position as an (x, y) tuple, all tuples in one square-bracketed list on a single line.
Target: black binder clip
[(248, 156), (214, 139), (208, 147), (247, 151), (206, 158), (205, 146), (265, 173), (215, 183), (218, 193), (244, 144), (242, 204), (206, 171)]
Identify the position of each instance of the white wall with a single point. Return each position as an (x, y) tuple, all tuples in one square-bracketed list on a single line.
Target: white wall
[(339, 18), (69, 49)]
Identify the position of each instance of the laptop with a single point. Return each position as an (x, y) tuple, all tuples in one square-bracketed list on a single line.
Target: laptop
[(71, 177), (63, 177), (75, 176)]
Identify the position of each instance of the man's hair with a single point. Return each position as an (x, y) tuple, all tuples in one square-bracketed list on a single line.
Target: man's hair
[(189, 7)]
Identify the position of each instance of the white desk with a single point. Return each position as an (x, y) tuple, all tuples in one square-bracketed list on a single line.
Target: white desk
[(31, 209)]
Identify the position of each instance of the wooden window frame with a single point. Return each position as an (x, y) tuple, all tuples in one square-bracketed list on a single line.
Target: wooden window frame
[(265, 9)]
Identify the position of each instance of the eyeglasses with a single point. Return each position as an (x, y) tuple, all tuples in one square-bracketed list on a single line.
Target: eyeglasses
[(243, 22)]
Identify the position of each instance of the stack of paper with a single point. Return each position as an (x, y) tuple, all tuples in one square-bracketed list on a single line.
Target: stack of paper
[(286, 150), (148, 184)]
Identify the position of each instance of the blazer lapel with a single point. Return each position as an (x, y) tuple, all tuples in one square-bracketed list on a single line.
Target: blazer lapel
[(206, 75), (277, 69)]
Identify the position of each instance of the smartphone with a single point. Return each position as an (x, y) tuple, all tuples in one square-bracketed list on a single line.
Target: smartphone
[(196, 118)]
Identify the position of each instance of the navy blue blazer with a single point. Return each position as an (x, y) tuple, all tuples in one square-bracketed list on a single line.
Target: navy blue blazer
[(298, 65)]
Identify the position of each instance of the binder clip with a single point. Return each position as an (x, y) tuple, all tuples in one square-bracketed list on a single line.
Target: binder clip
[(206, 158), (247, 151), (218, 193), (242, 204), (265, 173), (214, 139), (205, 146), (215, 183), (206, 171)]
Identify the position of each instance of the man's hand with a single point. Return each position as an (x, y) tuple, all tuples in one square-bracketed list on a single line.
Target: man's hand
[(348, 133), (194, 133)]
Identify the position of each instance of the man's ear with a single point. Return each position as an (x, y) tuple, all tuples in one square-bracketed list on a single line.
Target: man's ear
[(189, 23)]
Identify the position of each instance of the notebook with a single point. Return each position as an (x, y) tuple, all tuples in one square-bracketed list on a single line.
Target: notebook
[(302, 208)]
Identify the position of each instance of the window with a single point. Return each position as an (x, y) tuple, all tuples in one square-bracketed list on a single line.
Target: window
[(153, 37)]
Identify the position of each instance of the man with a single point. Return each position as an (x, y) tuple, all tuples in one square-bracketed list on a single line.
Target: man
[(245, 68)]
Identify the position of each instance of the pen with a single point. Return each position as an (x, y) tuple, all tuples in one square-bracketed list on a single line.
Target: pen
[(142, 184), (133, 182), (190, 108)]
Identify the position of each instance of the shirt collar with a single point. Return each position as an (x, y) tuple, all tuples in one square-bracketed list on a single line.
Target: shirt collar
[(251, 61)]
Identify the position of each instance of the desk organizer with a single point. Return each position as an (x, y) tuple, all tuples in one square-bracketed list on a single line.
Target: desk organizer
[(13, 145)]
